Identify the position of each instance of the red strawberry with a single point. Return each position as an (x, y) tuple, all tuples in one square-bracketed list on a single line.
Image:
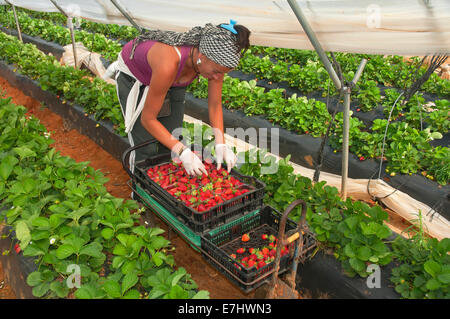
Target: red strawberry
[(265, 250), (264, 236), (17, 248), (233, 256), (240, 250), (253, 257), (260, 264), (272, 253), (245, 238), (250, 263)]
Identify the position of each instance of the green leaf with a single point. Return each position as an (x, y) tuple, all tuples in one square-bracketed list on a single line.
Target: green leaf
[(83, 293), (132, 294), (129, 280), (349, 251), (107, 233), (93, 249), (383, 232), (202, 294), (364, 253), (23, 234), (433, 284), (444, 278), (112, 288), (59, 288), (120, 250), (118, 262), (64, 251), (158, 292), (351, 222), (34, 279), (40, 290), (158, 258), (41, 222), (176, 292), (24, 152), (432, 267), (357, 264), (5, 170)]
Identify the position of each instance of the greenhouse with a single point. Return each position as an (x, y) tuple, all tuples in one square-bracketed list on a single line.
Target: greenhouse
[(160, 151)]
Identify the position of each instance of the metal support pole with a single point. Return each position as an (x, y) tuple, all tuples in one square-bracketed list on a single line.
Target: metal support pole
[(72, 33), (347, 89), (346, 128), (316, 44), (345, 141), (126, 15), (17, 20)]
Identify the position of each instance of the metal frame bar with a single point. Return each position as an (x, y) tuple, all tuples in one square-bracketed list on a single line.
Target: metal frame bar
[(17, 20), (345, 88), (72, 33), (126, 15)]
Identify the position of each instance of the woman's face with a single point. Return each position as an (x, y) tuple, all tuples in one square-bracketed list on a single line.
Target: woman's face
[(211, 70)]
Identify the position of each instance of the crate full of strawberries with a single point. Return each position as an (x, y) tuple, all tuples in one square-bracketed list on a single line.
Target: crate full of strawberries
[(206, 200), (247, 247)]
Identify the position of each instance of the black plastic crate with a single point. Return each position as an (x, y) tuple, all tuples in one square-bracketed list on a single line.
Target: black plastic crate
[(218, 242), (206, 220)]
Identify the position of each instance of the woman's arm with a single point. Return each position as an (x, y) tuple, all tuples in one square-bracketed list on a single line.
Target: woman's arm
[(164, 63), (215, 109)]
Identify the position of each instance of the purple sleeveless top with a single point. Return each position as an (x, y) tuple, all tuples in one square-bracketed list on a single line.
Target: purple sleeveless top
[(139, 64)]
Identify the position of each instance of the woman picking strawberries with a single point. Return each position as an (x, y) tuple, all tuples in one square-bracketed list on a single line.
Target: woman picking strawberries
[(154, 70)]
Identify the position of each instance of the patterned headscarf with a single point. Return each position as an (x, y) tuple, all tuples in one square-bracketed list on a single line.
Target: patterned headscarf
[(215, 42)]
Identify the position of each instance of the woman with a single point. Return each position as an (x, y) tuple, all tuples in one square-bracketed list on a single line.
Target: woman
[(154, 70)]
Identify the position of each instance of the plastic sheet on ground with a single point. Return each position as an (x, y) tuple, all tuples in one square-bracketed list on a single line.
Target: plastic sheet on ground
[(402, 204), (84, 57)]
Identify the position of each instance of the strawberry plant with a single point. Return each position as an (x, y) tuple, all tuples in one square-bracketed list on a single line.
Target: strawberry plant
[(368, 95), (62, 216), (424, 266)]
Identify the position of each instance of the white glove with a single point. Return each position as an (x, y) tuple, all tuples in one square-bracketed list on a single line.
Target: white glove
[(225, 154), (192, 163)]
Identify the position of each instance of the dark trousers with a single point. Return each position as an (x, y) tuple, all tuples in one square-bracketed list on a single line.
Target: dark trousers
[(172, 121)]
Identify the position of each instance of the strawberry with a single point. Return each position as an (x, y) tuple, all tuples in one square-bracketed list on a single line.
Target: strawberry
[(272, 238), (264, 236), (245, 238), (251, 250), (272, 253), (265, 250), (240, 250), (250, 263), (17, 248), (233, 256), (253, 257), (245, 259), (260, 264)]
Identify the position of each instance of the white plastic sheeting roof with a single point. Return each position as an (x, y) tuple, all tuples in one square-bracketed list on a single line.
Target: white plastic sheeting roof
[(418, 27)]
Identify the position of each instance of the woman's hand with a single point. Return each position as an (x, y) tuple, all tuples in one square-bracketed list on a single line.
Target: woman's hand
[(226, 155), (192, 164)]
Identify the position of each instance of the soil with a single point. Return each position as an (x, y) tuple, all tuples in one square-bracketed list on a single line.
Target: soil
[(71, 143)]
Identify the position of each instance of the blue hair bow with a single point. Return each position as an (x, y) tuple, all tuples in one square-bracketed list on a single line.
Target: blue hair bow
[(230, 26)]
